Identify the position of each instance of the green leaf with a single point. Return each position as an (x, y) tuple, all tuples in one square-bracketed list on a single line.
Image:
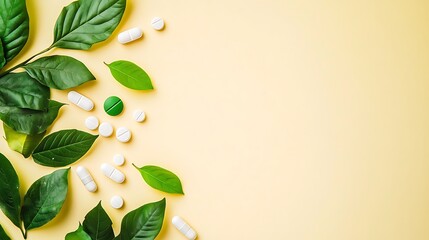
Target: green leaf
[(59, 72), (130, 75), (86, 22), (144, 222), (63, 148), (30, 121), (20, 142), (2, 59), (79, 234), (44, 199), (20, 90), (10, 201), (161, 179), (3, 235), (98, 224), (14, 26)]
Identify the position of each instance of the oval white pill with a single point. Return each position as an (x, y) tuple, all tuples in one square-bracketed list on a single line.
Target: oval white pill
[(91, 123), (105, 129), (130, 35), (112, 173), (184, 228), (123, 134), (118, 159), (157, 23), (80, 100), (86, 178), (139, 115), (116, 202)]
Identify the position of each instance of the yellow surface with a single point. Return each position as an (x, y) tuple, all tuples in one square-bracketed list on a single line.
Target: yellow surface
[(284, 119)]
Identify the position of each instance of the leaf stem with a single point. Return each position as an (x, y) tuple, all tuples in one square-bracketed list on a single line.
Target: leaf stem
[(24, 62)]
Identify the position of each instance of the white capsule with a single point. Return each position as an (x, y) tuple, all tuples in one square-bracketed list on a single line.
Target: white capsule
[(139, 115), (184, 228), (112, 173), (157, 23), (118, 159), (80, 100), (130, 35), (123, 134), (86, 178), (91, 123), (116, 202), (105, 129)]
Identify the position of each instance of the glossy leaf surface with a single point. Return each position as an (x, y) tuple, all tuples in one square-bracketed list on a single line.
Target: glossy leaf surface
[(30, 121), (20, 142), (79, 234), (86, 22), (45, 198), (63, 148), (59, 72), (98, 224), (10, 200), (130, 75), (161, 179)]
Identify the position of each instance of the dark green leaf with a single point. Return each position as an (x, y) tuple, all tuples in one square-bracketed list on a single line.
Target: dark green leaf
[(44, 199), (130, 75), (2, 59), (10, 201), (86, 22), (3, 235), (98, 224), (59, 72), (161, 179), (63, 148), (20, 142), (20, 90), (14, 26), (79, 234), (144, 222), (30, 121)]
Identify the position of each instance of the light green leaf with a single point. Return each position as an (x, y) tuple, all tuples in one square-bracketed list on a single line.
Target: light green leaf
[(20, 90), (143, 223), (44, 199), (59, 72), (86, 22), (79, 234), (3, 235), (20, 142), (98, 224), (14, 26), (10, 201), (63, 148), (161, 179), (30, 121), (130, 75)]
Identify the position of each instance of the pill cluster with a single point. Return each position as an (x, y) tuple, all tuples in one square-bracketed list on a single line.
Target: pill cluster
[(135, 33)]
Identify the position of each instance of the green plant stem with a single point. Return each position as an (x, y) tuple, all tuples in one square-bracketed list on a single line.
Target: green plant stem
[(24, 62)]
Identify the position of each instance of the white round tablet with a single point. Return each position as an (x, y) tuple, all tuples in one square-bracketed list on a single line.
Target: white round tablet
[(157, 23), (116, 202), (105, 129), (139, 115), (91, 123), (123, 134), (118, 159)]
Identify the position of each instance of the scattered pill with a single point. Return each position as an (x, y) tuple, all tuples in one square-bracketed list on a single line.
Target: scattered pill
[(116, 202), (184, 228), (86, 179), (80, 100), (157, 23), (130, 35), (139, 115), (118, 159), (91, 123), (123, 134), (105, 129), (113, 106), (112, 173)]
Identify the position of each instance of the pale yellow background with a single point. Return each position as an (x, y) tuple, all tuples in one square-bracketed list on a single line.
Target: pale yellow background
[(285, 119)]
